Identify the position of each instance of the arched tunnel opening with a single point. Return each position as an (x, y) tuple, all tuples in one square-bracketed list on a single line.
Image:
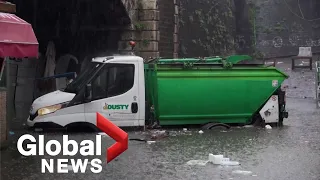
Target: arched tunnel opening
[(79, 30), (79, 27)]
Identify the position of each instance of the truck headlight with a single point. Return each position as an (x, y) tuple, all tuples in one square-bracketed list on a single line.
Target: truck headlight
[(51, 109)]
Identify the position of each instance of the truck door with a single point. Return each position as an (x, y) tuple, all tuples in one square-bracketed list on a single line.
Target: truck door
[(115, 94)]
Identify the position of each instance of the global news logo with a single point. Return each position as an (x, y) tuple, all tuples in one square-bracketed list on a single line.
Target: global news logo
[(86, 148)]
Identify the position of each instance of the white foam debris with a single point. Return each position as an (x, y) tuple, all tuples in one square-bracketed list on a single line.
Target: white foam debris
[(220, 160), (197, 162), (229, 163), (200, 132), (248, 126), (215, 159), (242, 172), (185, 129), (268, 126), (151, 142)]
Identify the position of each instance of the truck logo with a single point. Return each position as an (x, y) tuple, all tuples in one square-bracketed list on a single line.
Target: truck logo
[(115, 106)]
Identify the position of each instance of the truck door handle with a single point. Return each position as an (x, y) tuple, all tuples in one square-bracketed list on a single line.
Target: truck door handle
[(134, 107)]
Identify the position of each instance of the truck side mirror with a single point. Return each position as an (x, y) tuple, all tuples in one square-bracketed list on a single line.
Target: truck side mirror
[(88, 93)]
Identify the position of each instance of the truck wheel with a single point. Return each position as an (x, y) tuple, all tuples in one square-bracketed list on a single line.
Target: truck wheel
[(212, 125), (258, 121)]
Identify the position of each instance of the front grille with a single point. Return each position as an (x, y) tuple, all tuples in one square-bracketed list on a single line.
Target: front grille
[(33, 116)]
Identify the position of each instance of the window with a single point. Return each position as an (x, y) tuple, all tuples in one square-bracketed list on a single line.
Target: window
[(113, 80), (83, 77)]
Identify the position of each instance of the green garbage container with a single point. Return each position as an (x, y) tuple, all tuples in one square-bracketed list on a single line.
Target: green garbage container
[(200, 91)]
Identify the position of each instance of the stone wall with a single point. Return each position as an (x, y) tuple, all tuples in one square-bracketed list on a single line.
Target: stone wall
[(154, 28), (206, 28), (284, 26), (176, 29), (166, 28), (144, 30), (3, 119)]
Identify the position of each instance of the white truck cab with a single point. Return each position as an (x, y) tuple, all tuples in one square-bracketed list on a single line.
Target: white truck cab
[(112, 86)]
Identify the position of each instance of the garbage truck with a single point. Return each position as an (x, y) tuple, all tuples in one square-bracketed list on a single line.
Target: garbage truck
[(132, 92)]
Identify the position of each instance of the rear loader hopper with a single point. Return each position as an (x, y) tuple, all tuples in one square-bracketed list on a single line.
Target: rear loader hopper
[(213, 90)]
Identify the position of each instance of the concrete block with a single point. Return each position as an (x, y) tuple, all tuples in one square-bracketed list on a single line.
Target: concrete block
[(149, 35), (149, 4), (146, 25), (145, 15)]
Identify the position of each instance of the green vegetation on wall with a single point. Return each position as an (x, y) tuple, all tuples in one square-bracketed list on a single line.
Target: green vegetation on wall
[(253, 8), (207, 25)]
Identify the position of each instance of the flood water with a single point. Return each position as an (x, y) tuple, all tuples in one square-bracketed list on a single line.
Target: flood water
[(291, 152)]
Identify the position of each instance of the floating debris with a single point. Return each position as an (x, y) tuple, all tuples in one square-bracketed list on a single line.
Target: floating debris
[(248, 126), (220, 160), (197, 162), (151, 142), (200, 132), (242, 172), (268, 127), (159, 134)]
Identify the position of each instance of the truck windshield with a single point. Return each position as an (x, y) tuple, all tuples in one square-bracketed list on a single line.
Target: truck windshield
[(83, 77)]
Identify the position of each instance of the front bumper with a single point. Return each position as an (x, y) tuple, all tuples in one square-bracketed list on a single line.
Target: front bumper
[(30, 123), (41, 124)]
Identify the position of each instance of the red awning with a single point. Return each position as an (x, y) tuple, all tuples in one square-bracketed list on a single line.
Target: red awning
[(17, 38)]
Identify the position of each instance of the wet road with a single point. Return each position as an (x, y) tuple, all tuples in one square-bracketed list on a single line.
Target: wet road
[(288, 153)]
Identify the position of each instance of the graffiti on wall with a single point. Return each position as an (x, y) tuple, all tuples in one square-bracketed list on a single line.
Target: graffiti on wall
[(284, 26), (282, 44), (291, 41)]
